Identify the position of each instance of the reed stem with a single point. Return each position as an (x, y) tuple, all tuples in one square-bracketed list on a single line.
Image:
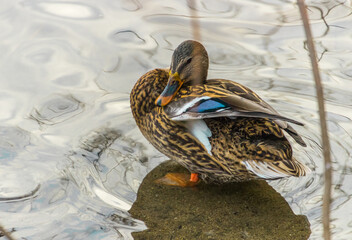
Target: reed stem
[(6, 233), (323, 124), (194, 20)]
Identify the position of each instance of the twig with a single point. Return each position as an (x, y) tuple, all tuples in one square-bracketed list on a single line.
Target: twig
[(322, 115), (6, 233), (194, 25), (194, 20)]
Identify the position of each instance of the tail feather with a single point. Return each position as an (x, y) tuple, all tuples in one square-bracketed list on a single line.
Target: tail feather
[(274, 170), (295, 135), (301, 169)]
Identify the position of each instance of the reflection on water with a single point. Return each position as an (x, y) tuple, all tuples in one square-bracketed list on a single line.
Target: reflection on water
[(71, 157)]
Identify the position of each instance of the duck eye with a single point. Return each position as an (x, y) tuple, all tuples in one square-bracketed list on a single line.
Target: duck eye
[(183, 64), (189, 60)]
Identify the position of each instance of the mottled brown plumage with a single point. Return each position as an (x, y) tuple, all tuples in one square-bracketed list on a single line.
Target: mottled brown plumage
[(216, 128)]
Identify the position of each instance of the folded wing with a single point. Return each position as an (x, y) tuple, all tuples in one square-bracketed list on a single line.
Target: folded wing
[(210, 101)]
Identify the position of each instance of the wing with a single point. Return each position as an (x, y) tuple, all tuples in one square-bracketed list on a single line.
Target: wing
[(224, 98), (247, 93)]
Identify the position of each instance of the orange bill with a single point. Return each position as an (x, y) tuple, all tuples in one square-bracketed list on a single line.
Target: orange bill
[(173, 85)]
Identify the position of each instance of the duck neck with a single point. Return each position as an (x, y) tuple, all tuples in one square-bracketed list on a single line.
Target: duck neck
[(199, 75), (200, 70)]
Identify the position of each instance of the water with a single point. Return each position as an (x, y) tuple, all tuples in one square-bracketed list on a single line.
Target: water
[(71, 156)]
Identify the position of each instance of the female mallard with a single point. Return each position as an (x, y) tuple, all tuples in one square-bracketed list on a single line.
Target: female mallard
[(217, 129)]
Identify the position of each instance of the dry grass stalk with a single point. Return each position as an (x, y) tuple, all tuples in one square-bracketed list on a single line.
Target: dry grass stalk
[(323, 124), (194, 24), (6, 233), (194, 20)]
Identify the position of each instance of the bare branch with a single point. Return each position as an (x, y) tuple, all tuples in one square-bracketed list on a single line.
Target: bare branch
[(194, 20), (322, 115), (6, 233)]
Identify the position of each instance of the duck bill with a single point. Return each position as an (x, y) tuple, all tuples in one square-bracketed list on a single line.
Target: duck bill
[(173, 85)]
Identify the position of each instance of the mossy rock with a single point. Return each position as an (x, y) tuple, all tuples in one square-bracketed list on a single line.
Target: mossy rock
[(247, 210)]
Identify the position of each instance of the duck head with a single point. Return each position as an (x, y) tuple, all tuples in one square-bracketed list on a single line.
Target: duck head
[(189, 65)]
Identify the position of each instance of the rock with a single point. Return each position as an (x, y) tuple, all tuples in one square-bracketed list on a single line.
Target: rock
[(247, 210)]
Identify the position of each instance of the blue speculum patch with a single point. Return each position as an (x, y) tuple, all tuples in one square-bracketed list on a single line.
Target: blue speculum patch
[(208, 105)]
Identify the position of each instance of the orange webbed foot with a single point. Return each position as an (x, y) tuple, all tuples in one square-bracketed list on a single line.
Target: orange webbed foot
[(179, 179), (194, 177)]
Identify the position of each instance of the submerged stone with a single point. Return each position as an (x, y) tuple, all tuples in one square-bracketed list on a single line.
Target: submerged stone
[(247, 210)]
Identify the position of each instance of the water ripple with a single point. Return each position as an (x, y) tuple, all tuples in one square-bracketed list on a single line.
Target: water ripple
[(69, 10), (57, 109), (87, 155), (23, 197), (127, 36), (131, 5)]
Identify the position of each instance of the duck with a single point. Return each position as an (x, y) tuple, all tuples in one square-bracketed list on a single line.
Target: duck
[(218, 129)]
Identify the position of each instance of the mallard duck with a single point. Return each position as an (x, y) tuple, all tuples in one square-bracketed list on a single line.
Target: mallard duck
[(220, 130)]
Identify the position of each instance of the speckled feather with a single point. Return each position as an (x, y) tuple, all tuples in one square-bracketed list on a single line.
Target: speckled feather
[(224, 89), (236, 144)]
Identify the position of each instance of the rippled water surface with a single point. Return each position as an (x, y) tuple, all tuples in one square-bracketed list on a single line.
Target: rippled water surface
[(71, 156)]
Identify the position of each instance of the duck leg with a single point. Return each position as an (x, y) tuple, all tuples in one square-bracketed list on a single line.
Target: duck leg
[(179, 179), (194, 177)]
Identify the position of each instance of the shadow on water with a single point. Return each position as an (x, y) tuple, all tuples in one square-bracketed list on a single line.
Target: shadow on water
[(251, 210)]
